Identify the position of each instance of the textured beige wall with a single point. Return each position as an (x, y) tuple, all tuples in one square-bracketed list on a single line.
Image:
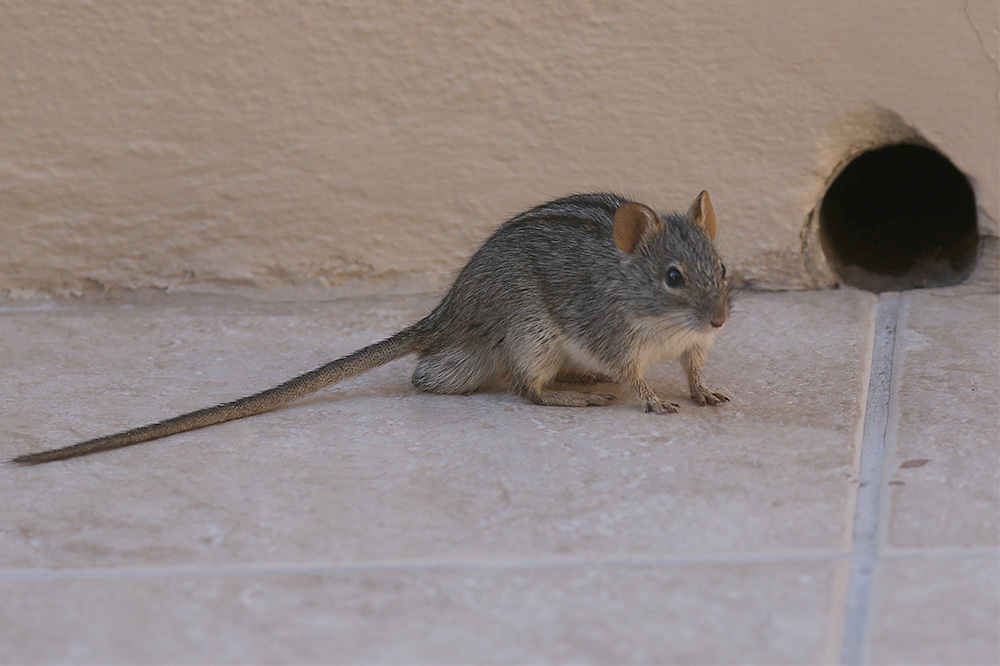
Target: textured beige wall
[(343, 146)]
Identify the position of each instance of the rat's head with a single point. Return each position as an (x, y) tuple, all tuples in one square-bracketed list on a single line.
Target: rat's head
[(674, 270)]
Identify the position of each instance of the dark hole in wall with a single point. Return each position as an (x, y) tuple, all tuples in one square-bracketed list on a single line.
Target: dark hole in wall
[(898, 217)]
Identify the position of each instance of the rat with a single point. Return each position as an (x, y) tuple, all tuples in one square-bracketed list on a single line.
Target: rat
[(586, 289)]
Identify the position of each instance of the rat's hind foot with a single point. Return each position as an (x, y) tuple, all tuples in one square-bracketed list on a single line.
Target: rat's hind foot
[(566, 398), (574, 376)]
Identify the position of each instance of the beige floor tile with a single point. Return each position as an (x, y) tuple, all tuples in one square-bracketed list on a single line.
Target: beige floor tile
[(669, 613), (937, 611), (943, 454), (373, 471)]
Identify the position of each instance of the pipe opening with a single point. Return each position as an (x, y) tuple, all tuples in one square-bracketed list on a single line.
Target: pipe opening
[(897, 217)]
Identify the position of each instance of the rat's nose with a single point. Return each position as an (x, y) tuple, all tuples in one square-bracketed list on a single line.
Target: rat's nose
[(719, 317)]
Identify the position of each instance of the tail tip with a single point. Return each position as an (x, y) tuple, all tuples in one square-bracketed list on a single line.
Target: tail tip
[(24, 460)]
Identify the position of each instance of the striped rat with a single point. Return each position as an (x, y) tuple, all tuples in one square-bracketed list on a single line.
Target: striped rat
[(583, 289)]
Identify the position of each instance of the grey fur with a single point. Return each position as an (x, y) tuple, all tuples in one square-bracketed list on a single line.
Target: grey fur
[(549, 296)]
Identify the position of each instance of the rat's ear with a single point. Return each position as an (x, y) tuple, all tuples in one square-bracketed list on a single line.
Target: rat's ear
[(703, 215), (632, 222)]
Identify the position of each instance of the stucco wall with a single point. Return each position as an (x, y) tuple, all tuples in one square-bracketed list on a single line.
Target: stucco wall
[(337, 147)]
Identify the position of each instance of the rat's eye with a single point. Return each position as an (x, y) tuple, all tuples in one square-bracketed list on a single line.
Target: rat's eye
[(723, 271), (674, 278)]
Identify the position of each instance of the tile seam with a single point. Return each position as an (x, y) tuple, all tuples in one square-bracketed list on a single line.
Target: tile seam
[(864, 553), (931, 553), (110, 573)]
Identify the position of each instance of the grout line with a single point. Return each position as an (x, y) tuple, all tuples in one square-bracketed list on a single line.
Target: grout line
[(314, 568), (865, 543), (971, 553), (411, 565)]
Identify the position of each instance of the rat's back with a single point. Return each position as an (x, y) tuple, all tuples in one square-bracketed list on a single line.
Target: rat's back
[(545, 264)]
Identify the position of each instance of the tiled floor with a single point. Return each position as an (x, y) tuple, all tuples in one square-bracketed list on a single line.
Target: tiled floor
[(828, 514)]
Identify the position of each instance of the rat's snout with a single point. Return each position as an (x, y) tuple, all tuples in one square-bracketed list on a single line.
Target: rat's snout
[(720, 316), (711, 318)]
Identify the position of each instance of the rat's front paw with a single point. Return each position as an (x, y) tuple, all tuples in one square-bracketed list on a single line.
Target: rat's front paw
[(660, 406), (707, 397)]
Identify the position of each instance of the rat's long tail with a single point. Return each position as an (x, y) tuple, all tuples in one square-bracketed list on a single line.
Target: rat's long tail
[(402, 343)]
